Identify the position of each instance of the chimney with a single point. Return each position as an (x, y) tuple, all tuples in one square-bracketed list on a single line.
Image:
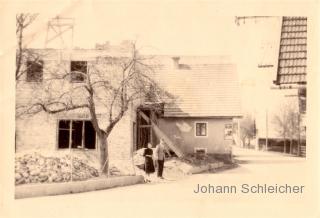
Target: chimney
[(175, 61)]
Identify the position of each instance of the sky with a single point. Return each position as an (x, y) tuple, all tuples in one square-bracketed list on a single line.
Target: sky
[(164, 28)]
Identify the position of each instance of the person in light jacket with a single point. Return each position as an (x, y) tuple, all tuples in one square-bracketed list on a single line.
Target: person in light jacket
[(160, 155)]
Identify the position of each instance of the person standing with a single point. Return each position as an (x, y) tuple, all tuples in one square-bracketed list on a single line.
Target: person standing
[(148, 164), (160, 154)]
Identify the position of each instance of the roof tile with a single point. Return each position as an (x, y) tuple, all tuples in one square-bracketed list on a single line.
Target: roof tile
[(202, 90), (292, 61)]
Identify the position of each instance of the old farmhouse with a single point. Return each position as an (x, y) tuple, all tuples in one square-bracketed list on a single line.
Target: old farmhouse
[(199, 119)]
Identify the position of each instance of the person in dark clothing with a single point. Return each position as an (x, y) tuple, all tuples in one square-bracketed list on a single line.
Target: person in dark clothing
[(148, 166), (160, 154)]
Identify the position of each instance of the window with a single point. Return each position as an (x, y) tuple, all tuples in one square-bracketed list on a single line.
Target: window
[(228, 131), (76, 134), (78, 71), (200, 151), (201, 129), (34, 71)]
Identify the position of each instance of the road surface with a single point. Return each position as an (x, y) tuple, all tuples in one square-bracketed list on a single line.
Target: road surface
[(178, 198)]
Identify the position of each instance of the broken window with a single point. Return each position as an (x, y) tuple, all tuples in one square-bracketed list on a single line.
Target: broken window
[(78, 71), (76, 134), (64, 134), (34, 71), (201, 129)]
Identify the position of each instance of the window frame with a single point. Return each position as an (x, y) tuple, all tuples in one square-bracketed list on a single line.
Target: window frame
[(70, 146), (28, 71), (72, 80), (195, 149), (227, 137), (195, 129)]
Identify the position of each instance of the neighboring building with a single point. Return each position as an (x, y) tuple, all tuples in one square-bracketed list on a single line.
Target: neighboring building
[(292, 67), (279, 80), (292, 62), (207, 99), (289, 88)]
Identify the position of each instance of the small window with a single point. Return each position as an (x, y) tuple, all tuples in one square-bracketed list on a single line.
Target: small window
[(201, 129), (78, 71), (76, 134), (34, 71), (200, 151), (228, 131)]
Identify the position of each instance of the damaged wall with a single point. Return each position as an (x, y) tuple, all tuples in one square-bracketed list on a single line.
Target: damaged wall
[(40, 133)]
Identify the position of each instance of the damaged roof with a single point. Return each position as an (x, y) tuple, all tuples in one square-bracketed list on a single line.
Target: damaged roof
[(292, 66), (203, 86)]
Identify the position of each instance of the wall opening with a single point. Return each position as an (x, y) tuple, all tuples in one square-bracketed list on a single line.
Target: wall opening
[(145, 132), (78, 71), (76, 134), (34, 71)]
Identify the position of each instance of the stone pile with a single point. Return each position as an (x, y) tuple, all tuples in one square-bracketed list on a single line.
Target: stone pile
[(199, 160), (36, 168)]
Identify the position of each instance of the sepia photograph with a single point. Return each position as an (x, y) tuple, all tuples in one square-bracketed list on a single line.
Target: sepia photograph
[(160, 110)]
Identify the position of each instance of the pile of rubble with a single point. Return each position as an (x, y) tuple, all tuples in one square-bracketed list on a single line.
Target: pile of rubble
[(36, 168), (199, 159)]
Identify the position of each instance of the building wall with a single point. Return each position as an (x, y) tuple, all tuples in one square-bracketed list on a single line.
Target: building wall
[(182, 132), (40, 133)]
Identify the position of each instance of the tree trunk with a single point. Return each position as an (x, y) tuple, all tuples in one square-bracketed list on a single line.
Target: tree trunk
[(103, 153), (19, 54), (243, 142)]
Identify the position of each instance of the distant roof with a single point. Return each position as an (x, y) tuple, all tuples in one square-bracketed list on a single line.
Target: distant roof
[(292, 66), (204, 86)]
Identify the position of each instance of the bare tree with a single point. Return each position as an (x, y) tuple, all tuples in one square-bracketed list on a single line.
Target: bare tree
[(287, 123), (247, 129), (107, 83), (23, 21)]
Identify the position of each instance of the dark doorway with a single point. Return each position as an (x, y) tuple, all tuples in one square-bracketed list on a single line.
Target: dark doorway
[(145, 133), (143, 129)]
